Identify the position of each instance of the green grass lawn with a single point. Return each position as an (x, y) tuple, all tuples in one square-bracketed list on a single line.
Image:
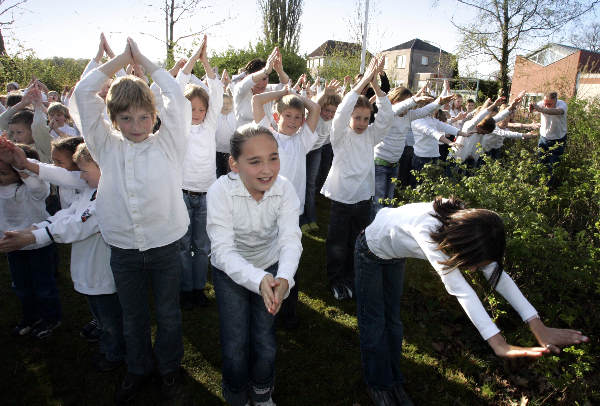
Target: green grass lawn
[(445, 360)]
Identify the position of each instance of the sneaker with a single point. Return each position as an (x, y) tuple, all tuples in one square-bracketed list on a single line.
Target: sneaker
[(199, 298), (103, 364), (339, 291), (267, 403), (401, 396), (130, 386), (24, 328), (349, 287), (186, 300), (381, 397), (45, 328), (90, 331), (170, 385)]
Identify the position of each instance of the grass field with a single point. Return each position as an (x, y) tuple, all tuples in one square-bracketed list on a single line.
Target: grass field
[(445, 360)]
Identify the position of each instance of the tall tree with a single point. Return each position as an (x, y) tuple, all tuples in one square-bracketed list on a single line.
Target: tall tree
[(281, 22), (7, 18), (587, 37), (502, 26)]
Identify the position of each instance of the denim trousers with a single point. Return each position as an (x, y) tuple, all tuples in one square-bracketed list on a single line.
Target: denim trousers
[(346, 221), (405, 177), (194, 245), (106, 309), (379, 286), (419, 162), (247, 341), (133, 271), (313, 162), (384, 188), (33, 281), (550, 153), (326, 160)]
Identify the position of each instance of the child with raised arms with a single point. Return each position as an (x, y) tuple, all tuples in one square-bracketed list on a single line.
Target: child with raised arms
[(255, 243), (199, 172), (351, 181), (140, 208), (451, 237)]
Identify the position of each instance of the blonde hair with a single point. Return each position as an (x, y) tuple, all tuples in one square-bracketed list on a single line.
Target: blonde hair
[(289, 101), (363, 102), (56, 107), (129, 92), (83, 154), (399, 94), (193, 91)]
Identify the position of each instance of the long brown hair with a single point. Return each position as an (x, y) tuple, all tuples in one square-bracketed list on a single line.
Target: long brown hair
[(469, 236)]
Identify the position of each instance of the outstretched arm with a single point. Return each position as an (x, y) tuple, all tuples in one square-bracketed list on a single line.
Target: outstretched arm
[(259, 100)]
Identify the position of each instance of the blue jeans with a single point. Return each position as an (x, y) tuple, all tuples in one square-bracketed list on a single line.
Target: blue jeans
[(419, 162), (313, 162), (550, 153), (384, 188), (133, 270), (106, 309), (32, 273), (345, 223), (247, 341), (379, 286), (194, 245)]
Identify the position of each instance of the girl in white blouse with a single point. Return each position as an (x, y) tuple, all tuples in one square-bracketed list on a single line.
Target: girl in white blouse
[(255, 238), (450, 237)]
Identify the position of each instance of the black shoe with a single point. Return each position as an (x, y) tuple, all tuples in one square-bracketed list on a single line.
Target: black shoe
[(381, 397), (103, 364), (170, 385), (90, 331), (130, 386), (401, 396), (24, 328), (339, 291), (45, 328), (186, 300), (200, 298)]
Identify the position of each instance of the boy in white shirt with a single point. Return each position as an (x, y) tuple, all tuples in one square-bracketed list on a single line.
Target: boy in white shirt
[(295, 137), (140, 208)]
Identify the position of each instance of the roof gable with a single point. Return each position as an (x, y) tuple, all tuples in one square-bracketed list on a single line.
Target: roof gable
[(331, 46), (416, 44)]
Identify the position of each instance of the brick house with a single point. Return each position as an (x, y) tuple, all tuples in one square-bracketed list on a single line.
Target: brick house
[(331, 52), (567, 70), (410, 64)]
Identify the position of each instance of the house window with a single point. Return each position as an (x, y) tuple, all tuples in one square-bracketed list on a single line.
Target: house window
[(401, 61), (386, 63), (424, 60)]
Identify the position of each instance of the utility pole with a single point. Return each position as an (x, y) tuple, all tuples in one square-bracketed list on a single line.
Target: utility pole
[(363, 53)]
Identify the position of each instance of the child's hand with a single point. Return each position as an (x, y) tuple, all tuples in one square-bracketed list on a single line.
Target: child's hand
[(499, 101), (505, 350), (177, 67), (280, 291), (100, 52), (271, 60), (19, 159), (446, 99), (225, 78), (278, 62), (266, 289), (530, 134), (554, 338), (14, 240), (332, 87), (107, 48)]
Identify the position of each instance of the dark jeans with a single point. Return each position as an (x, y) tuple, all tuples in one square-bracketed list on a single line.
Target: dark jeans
[(379, 286), (247, 341), (444, 150), (495, 153), (384, 188), (222, 162), (419, 162), (106, 309), (313, 162), (326, 160), (550, 153), (194, 245), (345, 222), (133, 270), (32, 273), (405, 177)]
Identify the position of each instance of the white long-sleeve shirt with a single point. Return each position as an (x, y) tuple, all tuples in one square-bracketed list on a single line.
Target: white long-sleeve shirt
[(22, 205), (199, 164), (495, 139), (351, 178), (69, 182), (90, 255), (470, 146), (140, 205), (323, 132), (427, 132), (248, 236), (404, 232), (242, 101), (392, 146), (226, 126)]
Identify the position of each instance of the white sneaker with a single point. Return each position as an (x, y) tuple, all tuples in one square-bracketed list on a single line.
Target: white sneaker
[(267, 403)]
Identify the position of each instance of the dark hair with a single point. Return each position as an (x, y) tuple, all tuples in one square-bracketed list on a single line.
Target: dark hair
[(551, 95), (488, 124), (254, 65), (441, 115), (29, 153), (469, 236), (470, 101), (22, 117), (68, 144), (13, 98), (243, 134)]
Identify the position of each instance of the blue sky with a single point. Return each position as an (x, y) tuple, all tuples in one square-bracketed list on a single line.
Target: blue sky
[(70, 28)]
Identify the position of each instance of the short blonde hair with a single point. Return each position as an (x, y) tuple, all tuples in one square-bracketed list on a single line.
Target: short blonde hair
[(329, 100), (195, 91), (56, 107), (289, 101), (127, 92), (82, 153), (399, 94)]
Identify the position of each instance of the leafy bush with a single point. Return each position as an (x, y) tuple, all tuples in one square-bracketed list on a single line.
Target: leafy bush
[(552, 236)]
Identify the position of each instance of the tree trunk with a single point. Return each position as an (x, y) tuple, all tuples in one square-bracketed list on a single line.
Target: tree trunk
[(504, 52), (170, 43), (2, 47)]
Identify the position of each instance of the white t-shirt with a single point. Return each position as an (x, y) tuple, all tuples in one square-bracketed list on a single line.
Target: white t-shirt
[(554, 127)]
